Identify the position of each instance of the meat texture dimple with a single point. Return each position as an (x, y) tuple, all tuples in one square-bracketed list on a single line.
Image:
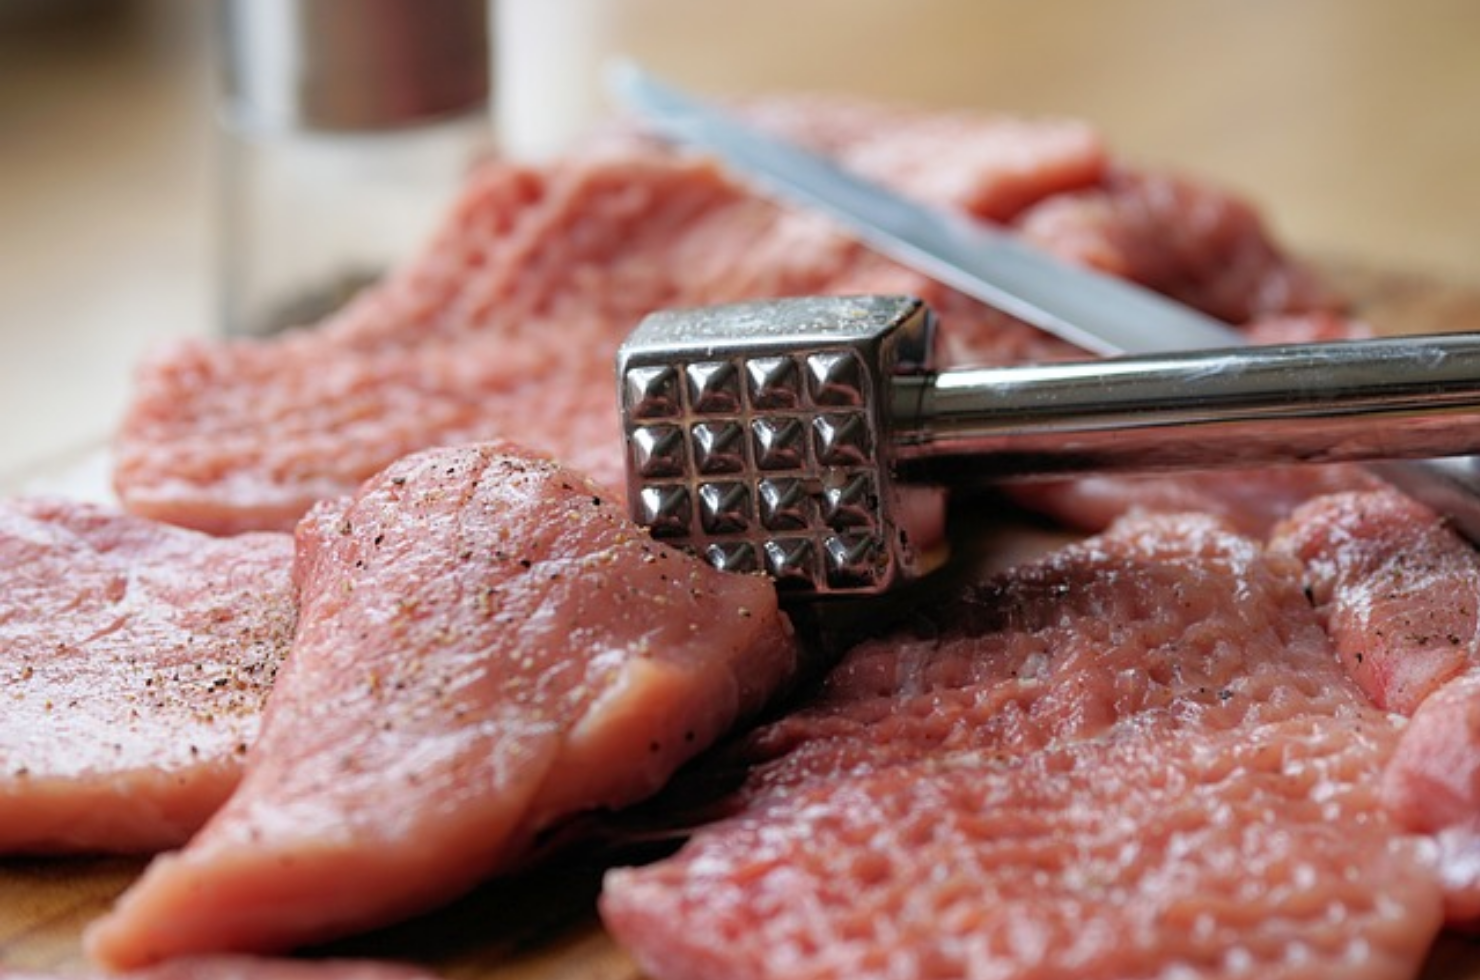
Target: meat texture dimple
[(486, 646), (1400, 593), (135, 658), (507, 324), (1137, 758)]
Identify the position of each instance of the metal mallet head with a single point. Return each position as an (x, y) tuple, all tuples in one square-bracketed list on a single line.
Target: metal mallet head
[(809, 438), (758, 435)]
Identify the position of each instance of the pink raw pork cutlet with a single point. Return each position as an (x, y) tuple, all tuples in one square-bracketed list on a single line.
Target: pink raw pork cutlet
[(1137, 757), (134, 661), (486, 647), (507, 324), (1399, 591)]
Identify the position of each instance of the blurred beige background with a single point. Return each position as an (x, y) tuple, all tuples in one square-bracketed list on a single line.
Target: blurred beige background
[(1355, 124)]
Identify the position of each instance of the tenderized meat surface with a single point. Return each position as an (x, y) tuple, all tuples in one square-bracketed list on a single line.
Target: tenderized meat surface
[(507, 324), (1399, 591), (134, 661), (486, 647), (1135, 758)]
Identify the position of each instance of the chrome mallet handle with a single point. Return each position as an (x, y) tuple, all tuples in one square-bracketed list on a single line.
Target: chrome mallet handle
[(810, 438), (1348, 401)]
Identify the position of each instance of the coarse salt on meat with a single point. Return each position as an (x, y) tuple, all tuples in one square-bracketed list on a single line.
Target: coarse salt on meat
[(506, 326), (486, 647), (1135, 758), (135, 658)]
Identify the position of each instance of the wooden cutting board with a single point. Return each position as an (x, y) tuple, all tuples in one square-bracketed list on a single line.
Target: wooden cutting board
[(543, 926)]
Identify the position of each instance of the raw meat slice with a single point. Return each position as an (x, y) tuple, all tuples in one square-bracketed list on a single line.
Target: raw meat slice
[(245, 968), (1185, 239), (134, 661), (486, 646), (507, 324), (1398, 590), (1135, 758), (1432, 786), (1254, 502)]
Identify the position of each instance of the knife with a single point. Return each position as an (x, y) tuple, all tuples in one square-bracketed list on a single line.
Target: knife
[(1097, 312)]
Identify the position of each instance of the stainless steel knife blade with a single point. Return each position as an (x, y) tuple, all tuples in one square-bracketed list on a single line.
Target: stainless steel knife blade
[(1094, 311), (1097, 312)]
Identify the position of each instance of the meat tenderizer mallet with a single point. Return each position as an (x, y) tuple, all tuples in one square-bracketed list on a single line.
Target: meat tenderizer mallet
[(813, 439)]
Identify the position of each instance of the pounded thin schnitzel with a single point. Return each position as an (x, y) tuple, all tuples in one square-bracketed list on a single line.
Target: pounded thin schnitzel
[(1137, 757)]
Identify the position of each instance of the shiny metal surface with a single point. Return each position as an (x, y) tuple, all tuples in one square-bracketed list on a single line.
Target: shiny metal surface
[(328, 66), (1100, 314), (794, 436), (1308, 403), (758, 436)]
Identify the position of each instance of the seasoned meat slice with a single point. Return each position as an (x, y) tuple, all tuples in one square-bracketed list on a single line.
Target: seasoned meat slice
[(135, 658), (486, 647)]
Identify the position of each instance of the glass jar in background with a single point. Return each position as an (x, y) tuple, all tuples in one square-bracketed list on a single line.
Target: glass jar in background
[(346, 128)]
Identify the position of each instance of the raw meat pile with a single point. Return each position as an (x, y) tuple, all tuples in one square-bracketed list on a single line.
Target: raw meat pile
[(1139, 757), (486, 646), (134, 661), (1180, 747), (508, 324)]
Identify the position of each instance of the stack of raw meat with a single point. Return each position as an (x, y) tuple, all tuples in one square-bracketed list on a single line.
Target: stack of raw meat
[(372, 626)]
